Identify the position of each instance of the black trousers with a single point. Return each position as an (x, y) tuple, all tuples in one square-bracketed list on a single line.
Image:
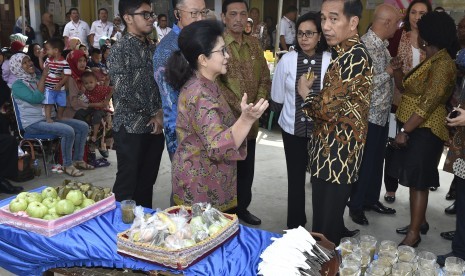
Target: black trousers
[(245, 174), (458, 244), (138, 157), (366, 190), (8, 156), (97, 115), (329, 201), (295, 149)]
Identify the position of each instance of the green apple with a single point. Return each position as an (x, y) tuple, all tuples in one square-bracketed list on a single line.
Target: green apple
[(36, 210), (33, 197), (51, 216), (75, 196), (22, 195), (64, 207), (87, 202), (77, 209), (49, 192), (18, 204), (52, 210), (50, 202)]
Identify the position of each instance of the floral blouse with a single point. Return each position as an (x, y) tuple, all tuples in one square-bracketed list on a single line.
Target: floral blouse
[(204, 167), (427, 89)]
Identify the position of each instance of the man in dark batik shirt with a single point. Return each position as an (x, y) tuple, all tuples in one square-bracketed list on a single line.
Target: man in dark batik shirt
[(340, 113), (138, 119)]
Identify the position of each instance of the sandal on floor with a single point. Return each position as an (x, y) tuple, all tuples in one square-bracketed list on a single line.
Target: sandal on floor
[(83, 165), (72, 171)]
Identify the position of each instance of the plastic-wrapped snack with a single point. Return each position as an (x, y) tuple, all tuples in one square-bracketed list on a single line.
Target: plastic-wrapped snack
[(159, 238), (200, 236), (139, 221), (213, 216), (165, 218), (174, 242)]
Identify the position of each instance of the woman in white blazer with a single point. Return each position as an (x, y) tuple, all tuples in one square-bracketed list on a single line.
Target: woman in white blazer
[(310, 51)]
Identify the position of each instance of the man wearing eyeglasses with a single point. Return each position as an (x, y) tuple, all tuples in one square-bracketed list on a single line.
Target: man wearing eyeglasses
[(138, 118), (365, 192), (247, 73), (186, 12)]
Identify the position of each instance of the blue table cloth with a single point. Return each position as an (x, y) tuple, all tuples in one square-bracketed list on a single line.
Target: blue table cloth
[(93, 243)]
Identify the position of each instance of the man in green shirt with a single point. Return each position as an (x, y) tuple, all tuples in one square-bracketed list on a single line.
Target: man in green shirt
[(247, 73)]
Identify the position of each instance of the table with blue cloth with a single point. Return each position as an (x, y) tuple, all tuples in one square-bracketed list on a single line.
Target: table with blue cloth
[(93, 244)]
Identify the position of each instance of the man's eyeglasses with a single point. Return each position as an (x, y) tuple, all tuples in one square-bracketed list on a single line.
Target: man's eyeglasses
[(308, 34), (195, 14), (223, 51), (147, 15)]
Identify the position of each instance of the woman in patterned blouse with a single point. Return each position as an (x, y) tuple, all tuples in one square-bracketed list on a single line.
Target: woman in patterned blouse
[(421, 113), (210, 140), (411, 55)]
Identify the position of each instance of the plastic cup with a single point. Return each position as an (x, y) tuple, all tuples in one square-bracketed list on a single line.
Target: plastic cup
[(426, 260), (127, 210), (402, 269), (368, 242), (349, 268), (387, 246), (375, 270), (406, 253), (454, 265), (348, 245)]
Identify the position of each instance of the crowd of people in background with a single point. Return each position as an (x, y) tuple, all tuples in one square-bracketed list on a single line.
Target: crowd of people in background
[(201, 85)]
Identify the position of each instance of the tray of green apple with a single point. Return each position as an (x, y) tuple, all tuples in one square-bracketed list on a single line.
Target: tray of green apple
[(52, 210)]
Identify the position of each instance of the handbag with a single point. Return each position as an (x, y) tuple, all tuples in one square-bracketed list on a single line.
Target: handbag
[(25, 164)]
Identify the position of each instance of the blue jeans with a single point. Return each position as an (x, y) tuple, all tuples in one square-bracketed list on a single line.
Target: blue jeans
[(71, 132)]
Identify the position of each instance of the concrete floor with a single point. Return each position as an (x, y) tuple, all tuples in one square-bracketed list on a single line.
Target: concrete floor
[(270, 196)]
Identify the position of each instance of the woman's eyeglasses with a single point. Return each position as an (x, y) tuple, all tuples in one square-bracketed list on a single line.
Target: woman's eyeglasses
[(147, 15), (308, 34), (223, 51)]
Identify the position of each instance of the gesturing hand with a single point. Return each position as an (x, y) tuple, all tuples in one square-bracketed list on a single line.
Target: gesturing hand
[(253, 112)]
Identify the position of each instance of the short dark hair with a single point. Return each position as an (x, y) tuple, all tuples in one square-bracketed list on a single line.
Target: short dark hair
[(438, 29), (351, 8), (56, 43), (226, 3), (95, 51), (291, 8), (177, 2), (194, 40), (101, 9), (407, 26), (88, 74), (439, 9), (315, 17), (161, 15), (130, 6), (73, 9)]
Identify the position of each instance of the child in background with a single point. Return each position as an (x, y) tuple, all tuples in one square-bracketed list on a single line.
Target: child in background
[(83, 48), (98, 97), (95, 64), (58, 74)]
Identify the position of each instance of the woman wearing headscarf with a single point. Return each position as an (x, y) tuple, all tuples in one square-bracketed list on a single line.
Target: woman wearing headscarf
[(76, 99), (28, 93), (31, 35)]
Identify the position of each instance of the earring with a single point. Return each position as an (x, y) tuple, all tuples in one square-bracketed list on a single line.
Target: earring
[(425, 44)]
